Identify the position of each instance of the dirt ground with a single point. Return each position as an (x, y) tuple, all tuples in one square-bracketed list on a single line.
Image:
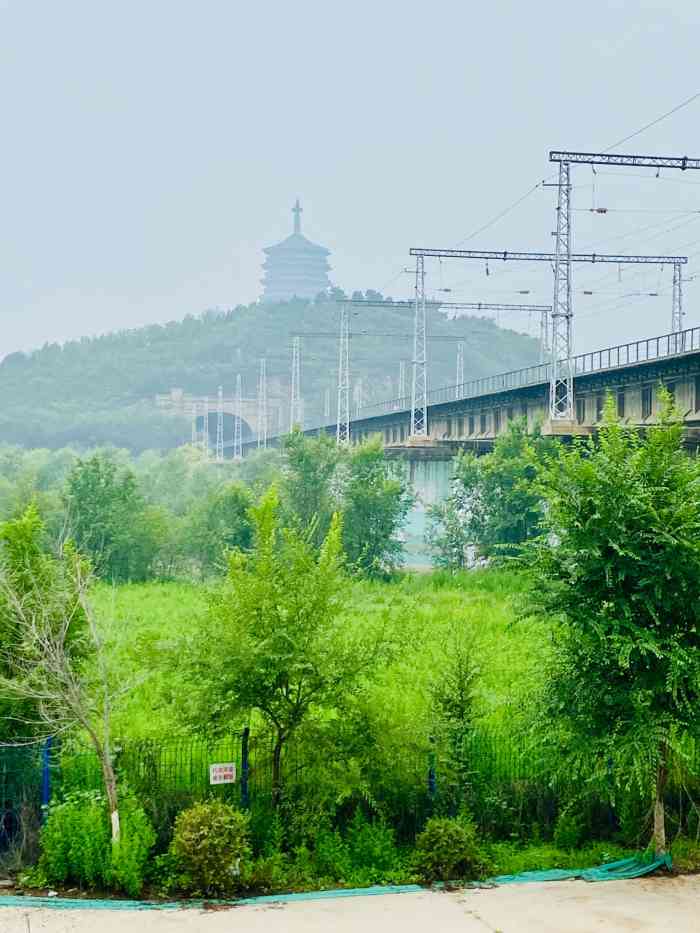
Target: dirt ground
[(657, 904)]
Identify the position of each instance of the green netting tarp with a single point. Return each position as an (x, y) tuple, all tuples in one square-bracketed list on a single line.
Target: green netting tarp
[(612, 871)]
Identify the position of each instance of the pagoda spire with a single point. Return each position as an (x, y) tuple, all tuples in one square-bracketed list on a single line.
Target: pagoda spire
[(296, 210)]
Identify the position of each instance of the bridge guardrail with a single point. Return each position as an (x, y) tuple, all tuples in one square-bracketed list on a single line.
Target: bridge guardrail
[(617, 357)]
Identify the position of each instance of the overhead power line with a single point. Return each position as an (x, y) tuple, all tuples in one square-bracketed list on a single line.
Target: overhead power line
[(648, 126)]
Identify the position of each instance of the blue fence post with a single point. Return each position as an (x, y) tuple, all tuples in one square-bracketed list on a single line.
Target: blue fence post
[(46, 777), (245, 767), (432, 776)]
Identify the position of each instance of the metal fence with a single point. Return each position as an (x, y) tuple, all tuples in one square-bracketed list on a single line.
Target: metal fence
[(21, 786), (506, 782)]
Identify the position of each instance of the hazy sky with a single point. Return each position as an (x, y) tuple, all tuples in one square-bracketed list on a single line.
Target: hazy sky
[(151, 149)]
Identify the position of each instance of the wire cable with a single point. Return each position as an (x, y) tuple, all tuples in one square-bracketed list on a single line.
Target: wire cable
[(648, 126)]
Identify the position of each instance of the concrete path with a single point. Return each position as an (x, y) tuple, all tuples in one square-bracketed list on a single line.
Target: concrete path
[(656, 904)]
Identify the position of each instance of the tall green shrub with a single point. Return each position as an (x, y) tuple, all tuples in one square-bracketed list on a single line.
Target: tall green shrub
[(619, 567), (76, 846), (211, 844)]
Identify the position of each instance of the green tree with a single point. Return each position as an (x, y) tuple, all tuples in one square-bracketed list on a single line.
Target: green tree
[(447, 533), (274, 639), (40, 585), (48, 634), (219, 523), (375, 502), (619, 565), (306, 486), (109, 520), (497, 492)]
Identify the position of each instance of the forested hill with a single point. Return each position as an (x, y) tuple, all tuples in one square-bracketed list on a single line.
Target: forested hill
[(102, 390)]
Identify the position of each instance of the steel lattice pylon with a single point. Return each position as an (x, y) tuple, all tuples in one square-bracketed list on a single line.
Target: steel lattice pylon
[(419, 387), (205, 428), (194, 424), (342, 430), (262, 404), (544, 336), (561, 383), (460, 368), (237, 425), (220, 426), (327, 403), (677, 304), (401, 393), (295, 400), (358, 396)]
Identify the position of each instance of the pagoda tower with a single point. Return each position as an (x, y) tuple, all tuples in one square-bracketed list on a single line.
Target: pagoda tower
[(296, 267)]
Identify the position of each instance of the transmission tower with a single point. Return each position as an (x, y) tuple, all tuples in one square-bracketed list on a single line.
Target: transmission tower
[(220, 426), (262, 405), (195, 434), (205, 428), (561, 382), (401, 393), (237, 433), (327, 404), (561, 370), (562, 279), (677, 309), (358, 396), (544, 336), (342, 428), (295, 400), (419, 385), (460, 368)]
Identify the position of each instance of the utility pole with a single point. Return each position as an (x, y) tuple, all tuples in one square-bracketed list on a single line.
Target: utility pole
[(358, 396), (561, 392), (401, 393), (460, 368), (342, 428), (205, 429), (544, 336), (237, 433), (327, 404), (677, 308), (220, 426), (295, 400), (194, 424), (419, 384), (262, 405)]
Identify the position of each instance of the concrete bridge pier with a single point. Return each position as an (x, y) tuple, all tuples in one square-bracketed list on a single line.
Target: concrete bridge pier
[(428, 468)]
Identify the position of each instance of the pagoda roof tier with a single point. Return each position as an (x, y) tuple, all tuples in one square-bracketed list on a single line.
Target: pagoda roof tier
[(296, 267), (297, 243), (314, 263)]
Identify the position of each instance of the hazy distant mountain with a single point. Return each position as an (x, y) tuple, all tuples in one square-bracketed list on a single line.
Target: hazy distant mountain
[(102, 390)]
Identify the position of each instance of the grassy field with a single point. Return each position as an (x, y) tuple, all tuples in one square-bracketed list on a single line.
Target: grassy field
[(429, 616)]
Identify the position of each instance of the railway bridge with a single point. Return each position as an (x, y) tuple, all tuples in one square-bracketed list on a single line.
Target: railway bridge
[(472, 415)]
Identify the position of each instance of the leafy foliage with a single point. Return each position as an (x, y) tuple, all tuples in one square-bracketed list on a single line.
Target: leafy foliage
[(109, 520), (496, 504), (75, 841), (375, 503), (447, 531), (217, 524), (309, 467), (76, 846), (211, 845), (448, 849), (34, 584), (274, 640), (619, 565)]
